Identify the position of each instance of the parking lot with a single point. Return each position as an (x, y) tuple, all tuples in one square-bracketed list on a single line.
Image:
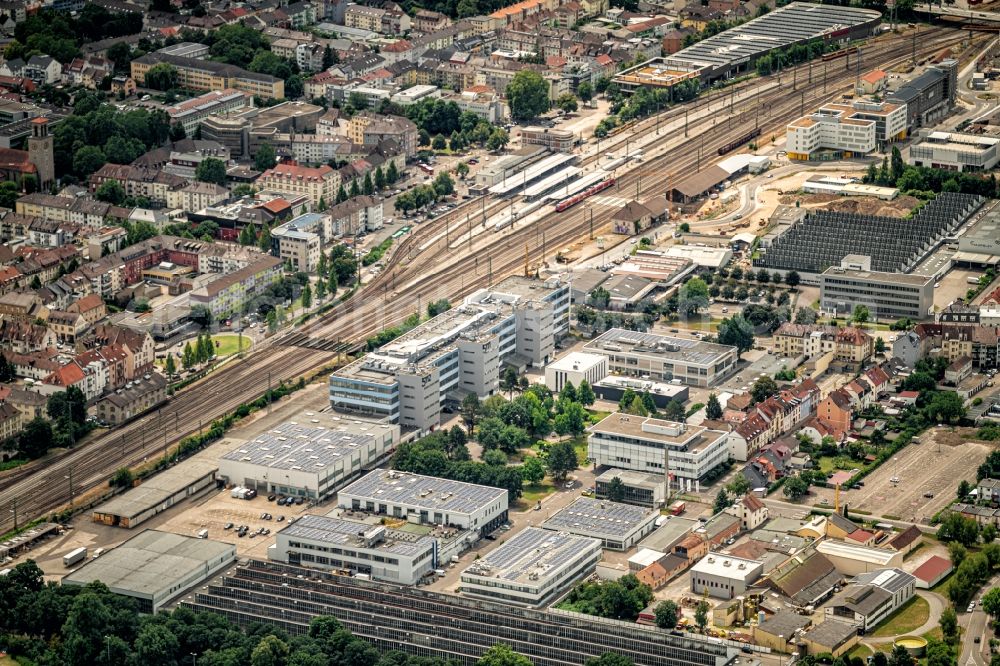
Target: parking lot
[(934, 467)]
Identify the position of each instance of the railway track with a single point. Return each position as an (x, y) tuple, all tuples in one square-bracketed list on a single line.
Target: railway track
[(417, 272)]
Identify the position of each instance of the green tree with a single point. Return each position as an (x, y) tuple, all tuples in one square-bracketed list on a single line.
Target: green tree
[(567, 102), (528, 95), (964, 488), (391, 173), (501, 655), (265, 158), (162, 76), (380, 181), (331, 283), (561, 460), (585, 91), (264, 239), (722, 501), (616, 490), (211, 170), (368, 187), (739, 486), (763, 389), (585, 394), (87, 160), (949, 624), (170, 366), (306, 296), (35, 439), (498, 139), (736, 331), (701, 614), (471, 409), (693, 296), (110, 191), (666, 613), (439, 142), (156, 645), (444, 185), (187, 356), (860, 315), (533, 470), (271, 651), (795, 487), (320, 290), (713, 408), (991, 603)]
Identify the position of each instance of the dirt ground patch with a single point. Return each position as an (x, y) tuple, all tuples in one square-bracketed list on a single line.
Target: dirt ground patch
[(861, 205), (928, 474)]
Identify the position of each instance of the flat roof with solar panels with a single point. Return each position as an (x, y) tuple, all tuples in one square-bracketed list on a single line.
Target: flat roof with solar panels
[(617, 525), (531, 567), (427, 499)]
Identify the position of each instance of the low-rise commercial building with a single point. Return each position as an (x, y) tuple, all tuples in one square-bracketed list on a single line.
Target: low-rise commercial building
[(575, 368), (648, 444), (618, 526), (779, 631), (852, 559), (886, 295), (427, 500), (872, 597), (954, 151), (323, 542), (724, 576), (308, 460), (154, 567), (157, 493), (641, 488), (663, 357), (558, 140), (531, 567)]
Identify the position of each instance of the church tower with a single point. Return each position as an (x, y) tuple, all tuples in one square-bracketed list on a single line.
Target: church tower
[(40, 152)]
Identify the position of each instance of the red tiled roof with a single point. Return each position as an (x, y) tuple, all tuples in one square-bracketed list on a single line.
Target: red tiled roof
[(932, 568), (861, 536), (68, 375), (873, 76), (276, 205)]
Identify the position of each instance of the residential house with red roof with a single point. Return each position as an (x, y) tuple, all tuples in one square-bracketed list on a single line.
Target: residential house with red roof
[(750, 510)]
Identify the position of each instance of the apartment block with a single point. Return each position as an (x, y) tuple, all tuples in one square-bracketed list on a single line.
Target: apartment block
[(848, 344), (458, 352), (319, 184), (232, 292)]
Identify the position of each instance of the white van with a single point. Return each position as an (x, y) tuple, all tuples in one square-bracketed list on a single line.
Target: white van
[(203, 534)]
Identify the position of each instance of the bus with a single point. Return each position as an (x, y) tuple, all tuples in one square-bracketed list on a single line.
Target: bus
[(426, 168)]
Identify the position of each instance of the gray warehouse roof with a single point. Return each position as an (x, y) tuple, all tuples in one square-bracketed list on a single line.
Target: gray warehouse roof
[(157, 489), (599, 518), (150, 563), (663, 346), (784, 623), (425, 492), (292, 445), (531, 556), (345, 532)]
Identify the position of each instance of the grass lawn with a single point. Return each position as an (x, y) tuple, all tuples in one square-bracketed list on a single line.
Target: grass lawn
[(580, 446), (826, 464), (534, 492), (860, 651), (942, 587), (911, 616), (228, 343)]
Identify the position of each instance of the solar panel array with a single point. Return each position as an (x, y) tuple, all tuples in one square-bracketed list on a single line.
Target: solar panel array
[(532, 554), (598, 518), (292, 445), (896, 245)]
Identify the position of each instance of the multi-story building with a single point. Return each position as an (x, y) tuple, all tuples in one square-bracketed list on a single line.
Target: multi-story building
[(649, 444), (361, 213), (618, 526), (427, 500), (295, 246), (363, 17), (886, 295), (847, 130), (849, 344), (63, 209), (664, 358), (928, 96), (459, 351), (555, 139), (197, 196), (190, 113), (953, 151), (319, 184), (154, 184), (138, 396), (371, 129), (230, 293), (386, 554), (724, 576), (208, 75), (531, 567), (481, 101)]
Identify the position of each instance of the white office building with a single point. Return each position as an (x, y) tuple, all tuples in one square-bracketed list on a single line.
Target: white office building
[(664, 358), (955, 152), (427, 500), (724, 576), (456, 353), (308, 459), (574, 368), (849, 129), (385, 554), (531, 567), (618, 526), (647, 444)]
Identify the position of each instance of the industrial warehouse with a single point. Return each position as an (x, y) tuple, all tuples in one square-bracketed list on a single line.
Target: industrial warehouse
[(427, 499), (737, 50), (308, 459)]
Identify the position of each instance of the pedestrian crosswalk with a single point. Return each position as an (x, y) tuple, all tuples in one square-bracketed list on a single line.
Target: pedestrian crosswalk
[(609, 201)]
